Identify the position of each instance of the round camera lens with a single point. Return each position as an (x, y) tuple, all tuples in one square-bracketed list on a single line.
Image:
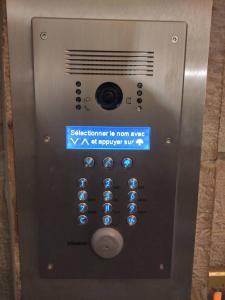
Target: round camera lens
[(109, 95)]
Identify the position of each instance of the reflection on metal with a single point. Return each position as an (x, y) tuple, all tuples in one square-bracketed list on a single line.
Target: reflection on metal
[(196, 73), (216, 274)]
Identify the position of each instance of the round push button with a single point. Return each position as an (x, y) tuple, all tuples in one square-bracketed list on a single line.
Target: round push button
[(82, 195), (127, 162), (83, 207), (107, 196), (107, 242), (108, 162), (132, 196), (133, 183), (89, 162), (107, 220), (107, 207), (83, 183), (107, 183), (132, 208), (82, 219), (131, 220)]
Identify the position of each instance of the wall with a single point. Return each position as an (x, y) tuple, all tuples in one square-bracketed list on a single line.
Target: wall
[(210, 230), (5, 257)]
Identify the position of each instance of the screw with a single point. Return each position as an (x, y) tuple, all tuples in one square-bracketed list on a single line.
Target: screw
[(168, 141), (175, 39), (47, 139), (44, 35), (50, 267)]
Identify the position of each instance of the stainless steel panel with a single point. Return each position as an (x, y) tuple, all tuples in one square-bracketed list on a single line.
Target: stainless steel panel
[(106, 43), (197, 15)]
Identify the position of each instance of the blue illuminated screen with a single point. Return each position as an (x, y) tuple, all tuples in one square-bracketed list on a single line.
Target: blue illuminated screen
[(108, 138)]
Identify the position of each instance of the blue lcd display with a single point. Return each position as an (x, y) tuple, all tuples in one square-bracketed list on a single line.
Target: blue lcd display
[(108, 138)]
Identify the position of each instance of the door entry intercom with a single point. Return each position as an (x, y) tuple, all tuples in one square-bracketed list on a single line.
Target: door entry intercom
[(107, 146), (114, 153)]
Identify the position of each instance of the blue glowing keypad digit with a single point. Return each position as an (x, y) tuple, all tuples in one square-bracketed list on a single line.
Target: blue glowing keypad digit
[(107, 208), (83, 207), (132, 195), (127, 162), (82, 195), (107, 182), (133, 183), (82, 220), (89, 162), (83, 183), (107, 196), (132, 208), (107, 220), (131, 220), (108, 162)]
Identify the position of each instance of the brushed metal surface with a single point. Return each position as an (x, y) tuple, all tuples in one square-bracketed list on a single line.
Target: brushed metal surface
[(197, 15), (59, 169)]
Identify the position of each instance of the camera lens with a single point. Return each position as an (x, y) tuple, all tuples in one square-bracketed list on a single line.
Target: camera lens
[(109, 95)]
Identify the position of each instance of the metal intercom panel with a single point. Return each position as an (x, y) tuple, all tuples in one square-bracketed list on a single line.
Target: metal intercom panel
[(109, 92), (107, 109)]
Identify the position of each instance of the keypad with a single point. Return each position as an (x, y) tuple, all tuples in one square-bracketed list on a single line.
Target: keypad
[(133, 196), (107, 208), (127, 162), (131, 220), (132, 208), (82, 195), (108, 183), (107, 220), (104, 203), (89, 162), (82, 219), (83, 183), (107, 195), (83, 208), (108, 162), (133, 183)]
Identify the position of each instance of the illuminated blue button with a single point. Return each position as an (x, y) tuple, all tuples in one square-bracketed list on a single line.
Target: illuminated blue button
[(83, 207), (132, 208), (107, 183), (132, 196), (107, 220), (108, 162), (131, 220), (107, 207), (127, 162), (82, 195), (107, 196), (133, 183), (83, 183), (89, 162), (82, 219)]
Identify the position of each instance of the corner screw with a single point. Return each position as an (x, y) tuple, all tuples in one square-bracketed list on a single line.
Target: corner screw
[(50, 267), (175, 39), (47, 139), (44, 35), (168, 141)]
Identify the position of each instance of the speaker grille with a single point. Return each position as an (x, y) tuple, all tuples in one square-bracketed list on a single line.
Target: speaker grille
[(96, 62)]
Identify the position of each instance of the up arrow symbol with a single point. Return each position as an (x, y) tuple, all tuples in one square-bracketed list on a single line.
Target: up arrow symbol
[(85, 141)]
